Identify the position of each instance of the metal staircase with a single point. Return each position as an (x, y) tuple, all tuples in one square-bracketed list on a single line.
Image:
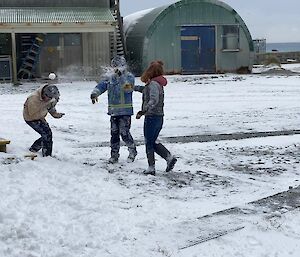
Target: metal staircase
[(117, 41), (30, 49)]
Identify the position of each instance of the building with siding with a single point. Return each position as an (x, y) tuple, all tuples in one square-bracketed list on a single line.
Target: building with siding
[(191, 37), (61, 36)]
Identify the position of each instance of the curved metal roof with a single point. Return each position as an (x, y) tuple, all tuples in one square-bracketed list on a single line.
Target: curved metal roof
[(140, 21), (146, 24)]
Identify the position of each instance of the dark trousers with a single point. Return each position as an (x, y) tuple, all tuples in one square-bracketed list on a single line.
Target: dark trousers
[(45, 141), (152, 127), (120, 126)]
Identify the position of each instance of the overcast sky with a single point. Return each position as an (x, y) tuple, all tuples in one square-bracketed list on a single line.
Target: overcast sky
[(275, 20)]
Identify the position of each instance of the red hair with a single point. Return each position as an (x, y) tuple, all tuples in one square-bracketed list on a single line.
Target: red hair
[(154, 70)]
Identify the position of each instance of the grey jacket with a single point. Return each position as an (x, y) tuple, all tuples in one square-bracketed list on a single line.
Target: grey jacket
[(153, 98)]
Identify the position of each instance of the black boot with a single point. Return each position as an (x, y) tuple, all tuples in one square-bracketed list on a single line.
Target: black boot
[(151, 163), (162, 151), (132, 154), (171, 161)]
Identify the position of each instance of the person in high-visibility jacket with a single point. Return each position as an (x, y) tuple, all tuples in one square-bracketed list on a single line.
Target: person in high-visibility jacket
[(119, 84)]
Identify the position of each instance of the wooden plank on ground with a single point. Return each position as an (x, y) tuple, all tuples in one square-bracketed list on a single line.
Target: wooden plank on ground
[(3, 143)]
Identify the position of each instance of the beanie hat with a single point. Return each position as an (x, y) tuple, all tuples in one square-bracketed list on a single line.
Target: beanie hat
[(118, 61), (50, 91)]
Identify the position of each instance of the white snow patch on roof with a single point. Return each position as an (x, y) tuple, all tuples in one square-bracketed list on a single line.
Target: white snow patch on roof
[(133, 18)]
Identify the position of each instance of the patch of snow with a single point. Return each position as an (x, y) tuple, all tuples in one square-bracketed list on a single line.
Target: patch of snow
[(75, 204), (132, 19)]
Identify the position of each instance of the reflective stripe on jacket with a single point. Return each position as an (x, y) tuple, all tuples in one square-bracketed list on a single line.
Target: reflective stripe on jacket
[(119, 92)]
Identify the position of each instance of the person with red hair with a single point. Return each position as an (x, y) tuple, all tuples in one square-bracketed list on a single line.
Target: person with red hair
[(153, 110)]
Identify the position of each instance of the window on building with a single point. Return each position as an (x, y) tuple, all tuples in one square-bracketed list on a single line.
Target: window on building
[(5, 44), (231, 38)]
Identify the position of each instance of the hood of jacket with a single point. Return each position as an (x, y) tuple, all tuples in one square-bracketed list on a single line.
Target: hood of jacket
[(160, 80)]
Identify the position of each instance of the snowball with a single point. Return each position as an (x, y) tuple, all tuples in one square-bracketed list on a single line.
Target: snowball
[(52, 76)]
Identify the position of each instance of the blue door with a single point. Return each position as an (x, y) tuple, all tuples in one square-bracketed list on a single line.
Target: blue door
[(198, 49)]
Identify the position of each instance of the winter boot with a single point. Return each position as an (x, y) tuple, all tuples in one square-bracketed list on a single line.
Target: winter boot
[(171, 161), (163, 152), (32, 150), (151, 163), (132, 155), (150, 171), (113, 160)]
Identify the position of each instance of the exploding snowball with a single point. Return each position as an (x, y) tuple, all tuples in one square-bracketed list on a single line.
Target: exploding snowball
[(52, 76)]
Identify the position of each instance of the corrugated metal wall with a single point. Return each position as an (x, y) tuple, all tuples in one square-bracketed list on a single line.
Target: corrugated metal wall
[(92, 49), (85, 59), (159, 47), (135, 36), (162, 38), (96, 52)]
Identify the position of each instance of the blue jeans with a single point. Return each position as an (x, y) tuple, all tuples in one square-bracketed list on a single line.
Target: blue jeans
[(45, 141), (120, 126), (152, 127)]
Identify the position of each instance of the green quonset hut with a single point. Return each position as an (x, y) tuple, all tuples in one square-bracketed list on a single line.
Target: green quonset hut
[(191, 37)]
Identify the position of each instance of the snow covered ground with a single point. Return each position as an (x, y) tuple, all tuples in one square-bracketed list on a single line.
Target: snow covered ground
[(76, 205)]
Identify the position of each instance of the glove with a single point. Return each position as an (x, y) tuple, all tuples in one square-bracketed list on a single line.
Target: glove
[(60, 114), (139, 114), (128, 87), (94, 98)]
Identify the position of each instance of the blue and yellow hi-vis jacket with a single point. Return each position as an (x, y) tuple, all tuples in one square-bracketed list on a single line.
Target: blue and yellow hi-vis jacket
[(119, 87)]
